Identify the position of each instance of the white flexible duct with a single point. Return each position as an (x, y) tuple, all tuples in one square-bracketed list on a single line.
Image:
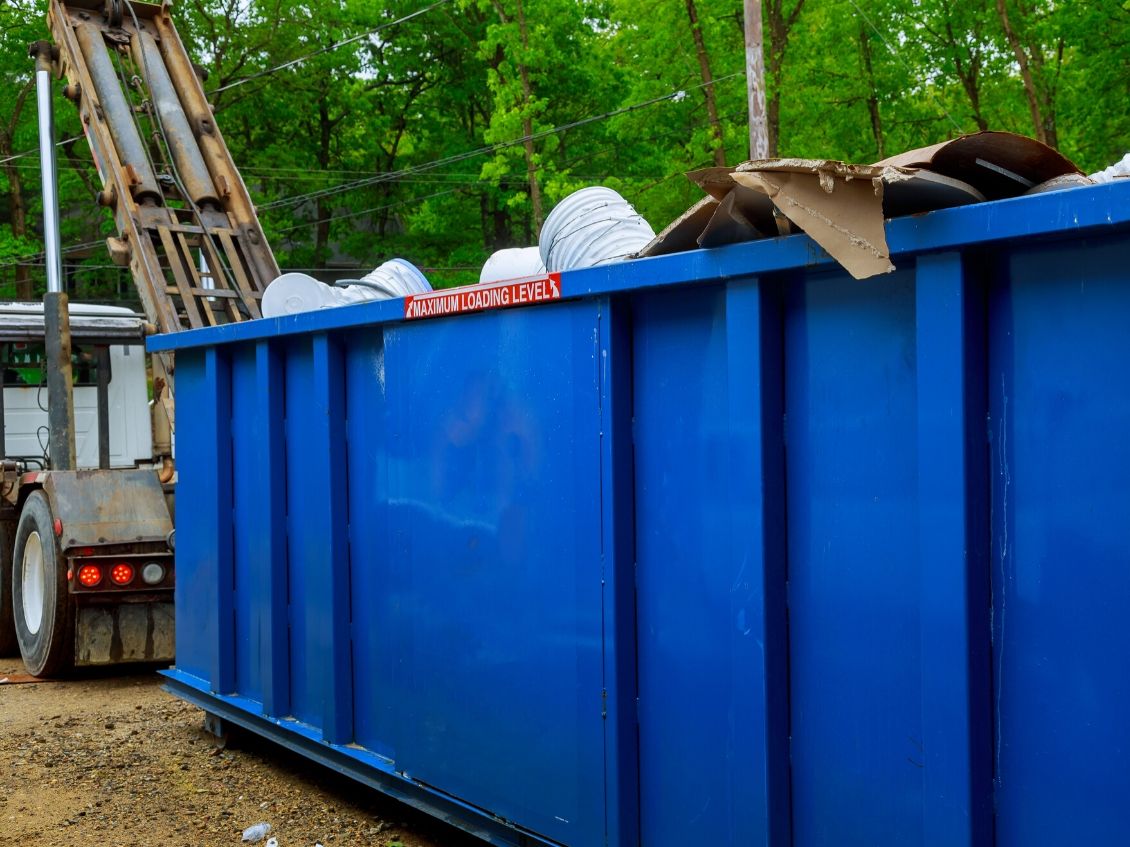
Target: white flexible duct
[(296, 292), (512, 263), (593, 226)]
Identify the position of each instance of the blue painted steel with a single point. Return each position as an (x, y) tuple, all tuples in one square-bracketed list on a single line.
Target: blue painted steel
[(379, 587), (713, 761), (328, 516), (618, 547), (493, 486), (267, 558), (1058, 214), (855, 657), (1059, 400), (952, 502), (204, 599), (252, 638), (719, 550)]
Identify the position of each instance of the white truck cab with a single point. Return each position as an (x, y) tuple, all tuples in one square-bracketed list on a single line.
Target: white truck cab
[(23, 363)]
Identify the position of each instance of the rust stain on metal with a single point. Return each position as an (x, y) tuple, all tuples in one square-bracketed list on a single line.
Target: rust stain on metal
[(21, 679)]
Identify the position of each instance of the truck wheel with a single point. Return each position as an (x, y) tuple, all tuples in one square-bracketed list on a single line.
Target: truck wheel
[(41, 603), (8, 646)]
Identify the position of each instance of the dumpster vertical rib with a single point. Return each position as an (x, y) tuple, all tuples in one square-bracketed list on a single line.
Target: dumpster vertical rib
[(216, 448), (952, 496), (329, 518), (619, 577), (757, 535), (268, 439)]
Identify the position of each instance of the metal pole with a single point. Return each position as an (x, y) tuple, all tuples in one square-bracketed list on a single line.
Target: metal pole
[(56, 315), (3, 433), (102, 369), (755, 81), (44, 52)]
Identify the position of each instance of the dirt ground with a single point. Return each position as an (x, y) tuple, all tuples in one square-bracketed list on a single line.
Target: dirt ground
[(114, 761)]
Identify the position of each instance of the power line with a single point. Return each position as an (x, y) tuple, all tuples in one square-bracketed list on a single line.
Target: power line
[(398, 175), (267, 72), (329, 48), (386, 207), (890, 47), (36, 150), (29, 259), (490, 148)]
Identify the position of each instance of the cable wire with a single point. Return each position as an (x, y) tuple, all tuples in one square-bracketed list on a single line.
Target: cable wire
[(391, 176), (269, 71), (329, 48), (15, 156), (890, 47), (490, 148)]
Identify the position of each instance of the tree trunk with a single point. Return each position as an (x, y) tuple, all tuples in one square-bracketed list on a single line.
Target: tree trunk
[(1025, 72), (527, 117), (968, 72), (528, 123), (872, 92), (973, 92), (780, 24), (17, 208), (322, 228), (707, 84)]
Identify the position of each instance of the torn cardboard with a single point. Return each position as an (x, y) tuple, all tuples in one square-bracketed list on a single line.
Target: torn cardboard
[(843, 206)]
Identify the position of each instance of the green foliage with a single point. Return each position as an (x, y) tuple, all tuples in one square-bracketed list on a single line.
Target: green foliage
[(411, 141)]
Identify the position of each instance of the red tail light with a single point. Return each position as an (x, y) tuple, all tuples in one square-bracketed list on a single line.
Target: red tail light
[(122, 573), (90, 575)]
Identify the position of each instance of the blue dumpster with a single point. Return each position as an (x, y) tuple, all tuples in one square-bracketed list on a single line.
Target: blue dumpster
[(721, 548)]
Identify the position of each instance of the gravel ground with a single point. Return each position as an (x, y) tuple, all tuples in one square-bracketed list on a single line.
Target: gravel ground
[(114, 761)]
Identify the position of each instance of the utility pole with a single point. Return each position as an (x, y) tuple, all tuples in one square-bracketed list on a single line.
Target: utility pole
[(755, 81)]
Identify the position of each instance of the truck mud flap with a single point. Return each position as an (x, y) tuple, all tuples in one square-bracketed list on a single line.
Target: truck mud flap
[(130, 632)]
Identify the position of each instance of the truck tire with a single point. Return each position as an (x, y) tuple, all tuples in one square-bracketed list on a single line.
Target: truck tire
[(8, 645), (41, 604)]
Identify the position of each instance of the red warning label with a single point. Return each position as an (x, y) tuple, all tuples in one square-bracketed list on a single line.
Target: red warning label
[(475, 298)]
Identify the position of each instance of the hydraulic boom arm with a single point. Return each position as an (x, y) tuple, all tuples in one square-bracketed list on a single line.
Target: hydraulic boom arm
[(186, 225)]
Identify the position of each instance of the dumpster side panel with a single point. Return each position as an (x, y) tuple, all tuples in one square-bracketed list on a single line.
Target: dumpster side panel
[(379, 573), (246, 492), (205, 629), (318, 544), (1060, 414), (850, 364), (493, 485), (711, 663), (307, 570)]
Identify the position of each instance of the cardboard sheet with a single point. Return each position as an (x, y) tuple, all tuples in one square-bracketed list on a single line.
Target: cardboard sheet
[(843, 215), (843, 206)]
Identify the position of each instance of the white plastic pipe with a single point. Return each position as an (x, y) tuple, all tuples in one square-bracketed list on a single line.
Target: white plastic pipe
[(512, 263), (295, 292), (590, 227)]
